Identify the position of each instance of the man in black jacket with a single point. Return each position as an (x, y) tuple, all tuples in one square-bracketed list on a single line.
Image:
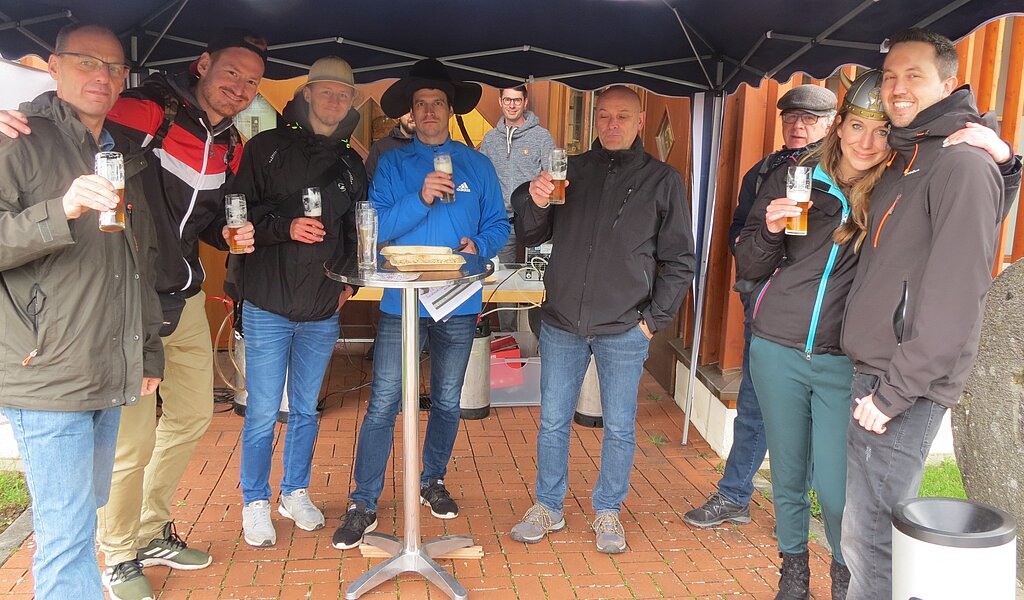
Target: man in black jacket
[(807, 114), (621, 263), (290, 309)]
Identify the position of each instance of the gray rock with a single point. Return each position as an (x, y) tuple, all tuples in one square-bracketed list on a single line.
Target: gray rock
[(988, 425)]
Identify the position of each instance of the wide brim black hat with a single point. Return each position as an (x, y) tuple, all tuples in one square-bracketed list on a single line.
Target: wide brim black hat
[(429, 74)]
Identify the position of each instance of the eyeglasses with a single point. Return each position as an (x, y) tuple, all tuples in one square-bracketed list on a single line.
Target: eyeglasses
[(806, 118), (90, 64), (512, 101)]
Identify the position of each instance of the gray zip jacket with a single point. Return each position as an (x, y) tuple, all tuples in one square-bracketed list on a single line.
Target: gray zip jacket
[(78, 307), (518, 153)]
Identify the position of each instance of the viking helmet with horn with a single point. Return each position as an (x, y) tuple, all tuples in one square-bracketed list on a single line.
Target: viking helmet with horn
[(864, 95)]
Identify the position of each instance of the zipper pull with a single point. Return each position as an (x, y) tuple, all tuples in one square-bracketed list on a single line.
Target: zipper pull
[(29, 358)]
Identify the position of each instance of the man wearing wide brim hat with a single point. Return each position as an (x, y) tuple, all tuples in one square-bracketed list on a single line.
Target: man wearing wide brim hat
[(289, 309), (407, 192)]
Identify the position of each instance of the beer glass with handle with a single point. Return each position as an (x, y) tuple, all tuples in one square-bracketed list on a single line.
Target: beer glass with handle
[(110, 165), (798, 187), (558, 161), (235, 212)]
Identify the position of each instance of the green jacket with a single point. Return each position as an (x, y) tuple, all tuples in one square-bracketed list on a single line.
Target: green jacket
[(78, 307)]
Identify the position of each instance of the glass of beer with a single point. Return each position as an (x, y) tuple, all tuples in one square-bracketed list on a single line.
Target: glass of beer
[(443, 163), (311, 204), (110, 165), (366, 231), (234, 210), (558, 162), (798, 187)]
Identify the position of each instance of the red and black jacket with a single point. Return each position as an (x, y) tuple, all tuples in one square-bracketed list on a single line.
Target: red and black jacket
[(190, 162)]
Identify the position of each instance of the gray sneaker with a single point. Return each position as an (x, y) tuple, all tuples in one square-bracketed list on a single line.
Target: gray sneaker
[(611, 537), (299, 508), (257, 528), (125, 581), (537, 523), (717, 510)]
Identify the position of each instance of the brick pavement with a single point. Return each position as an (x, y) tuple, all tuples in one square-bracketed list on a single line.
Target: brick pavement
[(491, 475)]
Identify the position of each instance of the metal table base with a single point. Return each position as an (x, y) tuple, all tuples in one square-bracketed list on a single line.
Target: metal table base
[(409, 556)]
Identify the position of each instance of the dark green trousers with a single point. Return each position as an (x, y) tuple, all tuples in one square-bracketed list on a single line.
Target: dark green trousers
[(806, 409)]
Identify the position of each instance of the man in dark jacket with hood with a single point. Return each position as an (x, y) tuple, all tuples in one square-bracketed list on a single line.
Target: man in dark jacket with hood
[(914, 313), (622, 262), (289, 308), (79, 313)]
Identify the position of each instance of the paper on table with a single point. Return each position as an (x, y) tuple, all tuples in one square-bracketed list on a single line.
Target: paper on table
[(441, 302)]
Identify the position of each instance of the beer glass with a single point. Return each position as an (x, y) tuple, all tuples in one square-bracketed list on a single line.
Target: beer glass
[(234, 210), (558, 162), (443, 163), (798, 187), (366, 230), (311, 204), (110, 165)]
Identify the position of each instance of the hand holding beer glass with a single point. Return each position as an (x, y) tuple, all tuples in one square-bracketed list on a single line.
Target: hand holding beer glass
[(558, 161), (443, 164), (798, 189), (312, 206), (110, 166), (366, 232), (235, 212), (309, 229)]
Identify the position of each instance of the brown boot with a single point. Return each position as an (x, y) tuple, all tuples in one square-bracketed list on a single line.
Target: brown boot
[(795, 580)]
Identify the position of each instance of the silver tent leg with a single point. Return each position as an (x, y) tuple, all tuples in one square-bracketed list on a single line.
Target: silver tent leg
[(712, 125)]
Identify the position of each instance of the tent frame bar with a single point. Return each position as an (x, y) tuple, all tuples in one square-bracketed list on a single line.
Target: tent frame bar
[(823, 35), (807, 40)]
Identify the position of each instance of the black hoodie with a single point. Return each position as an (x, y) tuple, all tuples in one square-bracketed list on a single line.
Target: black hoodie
[(284, 276), (913, 316)]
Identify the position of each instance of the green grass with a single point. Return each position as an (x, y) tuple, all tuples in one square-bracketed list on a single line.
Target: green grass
[(13, 492), (943, 479), (657, 439)]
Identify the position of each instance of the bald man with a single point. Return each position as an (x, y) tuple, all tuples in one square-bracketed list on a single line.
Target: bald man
[(604, 300), (80, 315)]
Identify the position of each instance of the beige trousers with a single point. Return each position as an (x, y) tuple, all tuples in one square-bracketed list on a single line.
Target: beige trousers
[(152, 455)]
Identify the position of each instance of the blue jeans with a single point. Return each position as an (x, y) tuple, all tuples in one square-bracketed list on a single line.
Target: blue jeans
[(275, 347), (564, 360), (68, 457), (749, 442), (450, 343)]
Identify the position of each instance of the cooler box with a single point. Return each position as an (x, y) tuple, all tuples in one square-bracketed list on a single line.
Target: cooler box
[(950, 549)]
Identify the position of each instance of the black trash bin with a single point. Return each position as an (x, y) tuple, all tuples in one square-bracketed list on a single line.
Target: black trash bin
[(951, 549)]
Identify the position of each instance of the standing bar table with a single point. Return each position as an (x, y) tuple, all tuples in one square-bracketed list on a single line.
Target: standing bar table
[(408, 555)]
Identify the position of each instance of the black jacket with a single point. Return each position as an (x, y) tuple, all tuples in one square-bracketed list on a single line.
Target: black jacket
[(801, 305), (284, 276), (622, 247), (395, 139), (752, 181), (913, 317)]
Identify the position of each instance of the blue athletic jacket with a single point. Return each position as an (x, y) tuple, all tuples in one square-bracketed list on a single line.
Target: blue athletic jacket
[(403, 219)]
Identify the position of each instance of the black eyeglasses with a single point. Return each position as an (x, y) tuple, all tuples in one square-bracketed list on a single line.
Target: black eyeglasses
[(512, 101), (90, 64), (805, 118)]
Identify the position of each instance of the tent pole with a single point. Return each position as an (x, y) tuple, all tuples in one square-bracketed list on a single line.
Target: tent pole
[(163, 32), (712, 124)]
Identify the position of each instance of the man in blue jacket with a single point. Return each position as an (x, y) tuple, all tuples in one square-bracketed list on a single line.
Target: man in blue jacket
[(406, 191)]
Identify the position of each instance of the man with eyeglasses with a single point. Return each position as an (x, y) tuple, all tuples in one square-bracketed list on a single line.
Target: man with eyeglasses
[(518, 147), (79, 312), (807, 113)]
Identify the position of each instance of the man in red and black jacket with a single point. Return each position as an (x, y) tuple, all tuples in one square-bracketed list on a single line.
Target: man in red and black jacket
[(185, 123)]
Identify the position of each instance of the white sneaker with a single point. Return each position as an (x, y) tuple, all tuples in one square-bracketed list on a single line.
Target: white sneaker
[(257, 528), (299, 508)]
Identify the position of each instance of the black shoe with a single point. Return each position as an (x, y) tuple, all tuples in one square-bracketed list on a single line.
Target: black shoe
[(717, 510), (441, 504), (840, 580), (357, 521), (795, 579)]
